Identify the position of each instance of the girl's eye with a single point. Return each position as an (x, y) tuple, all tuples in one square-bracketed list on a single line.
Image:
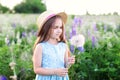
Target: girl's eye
[(60, 27), (55, 27)]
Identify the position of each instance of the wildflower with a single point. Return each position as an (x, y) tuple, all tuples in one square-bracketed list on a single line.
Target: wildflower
[(3, 77), (12, 65), (95, 27), (13, 25), (93, 41), (77, 21), (19, 41), (105, 28), (7, 41), (73, 31), (77, 40), (24, 34), (18, 35), (13, 77), (81, 49), (88, 33), (72, 48)]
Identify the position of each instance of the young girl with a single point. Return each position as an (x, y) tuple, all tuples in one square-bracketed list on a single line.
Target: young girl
[(51, 53)]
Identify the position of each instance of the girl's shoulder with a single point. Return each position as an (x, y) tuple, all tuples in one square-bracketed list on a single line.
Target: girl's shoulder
[(38, 47), (63, 44), (41, 44)]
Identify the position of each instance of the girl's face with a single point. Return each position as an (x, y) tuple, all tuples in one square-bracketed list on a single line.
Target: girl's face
[(56, 29)]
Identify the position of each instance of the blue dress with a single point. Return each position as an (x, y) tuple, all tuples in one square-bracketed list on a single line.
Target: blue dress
[(52, 58)]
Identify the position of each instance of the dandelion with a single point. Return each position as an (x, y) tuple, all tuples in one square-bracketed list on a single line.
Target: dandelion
[(77, 40)]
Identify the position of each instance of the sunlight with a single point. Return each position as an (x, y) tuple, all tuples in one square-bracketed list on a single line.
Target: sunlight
[(76, 6)]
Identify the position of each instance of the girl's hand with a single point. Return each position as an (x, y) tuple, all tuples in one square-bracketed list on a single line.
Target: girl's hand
[(71, 60), (61, 71)]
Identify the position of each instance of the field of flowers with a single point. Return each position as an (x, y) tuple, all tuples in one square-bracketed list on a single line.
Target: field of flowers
[(97, 59)]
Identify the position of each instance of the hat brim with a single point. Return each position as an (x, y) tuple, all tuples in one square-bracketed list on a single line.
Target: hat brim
[(49, 14), (63, 16)]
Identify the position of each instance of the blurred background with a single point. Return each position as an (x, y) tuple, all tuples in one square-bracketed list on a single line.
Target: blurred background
[(97, 20)]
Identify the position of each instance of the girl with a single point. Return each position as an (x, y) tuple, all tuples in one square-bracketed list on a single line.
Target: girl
[(51, 53)]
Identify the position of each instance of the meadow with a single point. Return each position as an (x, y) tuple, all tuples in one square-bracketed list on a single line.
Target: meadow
[(99, 58)]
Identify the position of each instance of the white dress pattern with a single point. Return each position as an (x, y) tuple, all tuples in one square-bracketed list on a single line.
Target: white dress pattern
[(52, 57)]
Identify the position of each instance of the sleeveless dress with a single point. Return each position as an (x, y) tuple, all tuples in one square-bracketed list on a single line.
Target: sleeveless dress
[(52, 58)]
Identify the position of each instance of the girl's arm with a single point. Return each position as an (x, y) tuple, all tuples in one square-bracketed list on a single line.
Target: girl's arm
[(37, 59), (66, 56), (68, 59)]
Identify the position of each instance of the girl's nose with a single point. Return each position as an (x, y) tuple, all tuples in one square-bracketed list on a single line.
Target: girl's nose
[(59, 30)]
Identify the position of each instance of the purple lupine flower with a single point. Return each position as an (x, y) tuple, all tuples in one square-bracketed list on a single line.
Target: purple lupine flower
[(81, 49), (80, 21), (3, 77), (13, 25), (77, 21), (24, 34), (72, 48), (105, 28), (70, 35), (35, 33), (93, 41), (74, 25), (95, 27), (88, 31), (73, 31)]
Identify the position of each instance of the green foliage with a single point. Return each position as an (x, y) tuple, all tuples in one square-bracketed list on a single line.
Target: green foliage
[(2, 41), (30, 6), (22, 54), (24, 68), (115, 13), (4, 9), (4, 61), (101, 63)]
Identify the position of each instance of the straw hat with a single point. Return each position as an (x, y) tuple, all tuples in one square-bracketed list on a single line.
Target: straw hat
[(47, 15)]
